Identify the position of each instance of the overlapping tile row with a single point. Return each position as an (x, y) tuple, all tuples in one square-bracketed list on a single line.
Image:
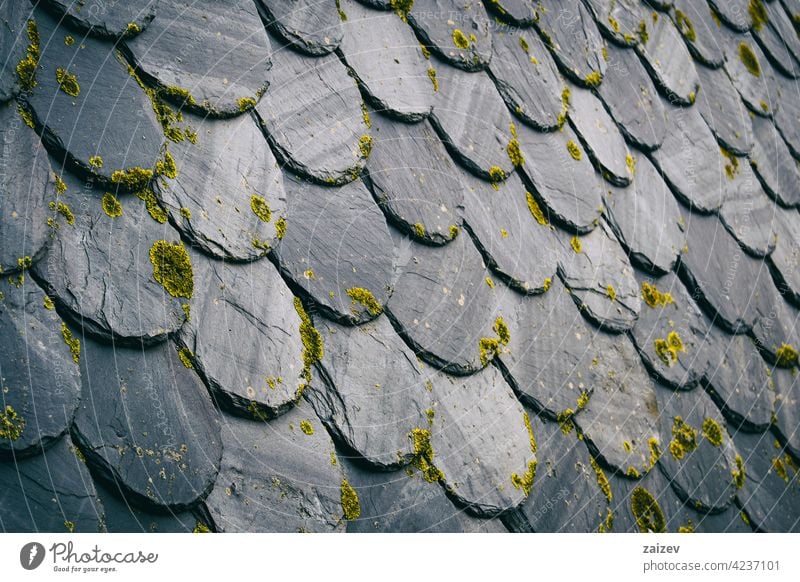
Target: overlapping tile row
[(400, 266)]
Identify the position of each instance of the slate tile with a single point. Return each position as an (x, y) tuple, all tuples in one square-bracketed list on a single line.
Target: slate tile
[(770, 491), (699, 27), (519, 12), (632, 101), (599, 276), (458, 31), (13, 46), (414, 180), (620, 423), (227, 197), (278, 476), (96, 118), (102, 269), (669, 63), (110, 20), (566, 185), (698, 456), (751, 73), (688, 160), (736, 379), (550, 361), (146, 422), (776, 36), (371, 391), (243, 337), (52, 492), (670, 309), (571, 34), (473, 122), (787, 117), (601, 139), (646, 219), (208, 57), (313, 118), (26, 183), (311, 27), (520, 250), (387, 62), (774, 165), (336, 249), (786, 423), (480, 443), (527, 78), (122, 517), (567, 495), (626, 22), (40, 383), (784, 262), (776, 331), (733, 13), (747, 213), (443, 307), (724, 112)]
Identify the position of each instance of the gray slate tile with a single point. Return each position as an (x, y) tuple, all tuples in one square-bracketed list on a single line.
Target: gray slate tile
[(787, 412), (699, 28), (751, 73), (785, 260), (724, 112), (312, 27), (787, 117), (519, 12), (733, 13), (626, 22), (109, 20), (774, 165), (13, 17), (778, 39)]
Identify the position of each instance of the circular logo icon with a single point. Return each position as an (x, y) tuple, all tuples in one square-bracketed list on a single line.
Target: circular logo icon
[(31, 555)]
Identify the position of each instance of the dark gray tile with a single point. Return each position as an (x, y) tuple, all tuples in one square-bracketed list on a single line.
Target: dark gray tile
[(646, 218), (108, 20), (52, 492), (777, 37), (278, 476), (312, 27), (751, 73), (40, 382), (122, 517), (787, 117), (722, 109), (785, 259), (699, 28), (206, 56), (337, 249), (776, 331), (626, 22), (227, 197), (519, 12), (146, 422), (734, 13), (13, 46), (313, 118), (387, 62), (774, 164), (459, 31)]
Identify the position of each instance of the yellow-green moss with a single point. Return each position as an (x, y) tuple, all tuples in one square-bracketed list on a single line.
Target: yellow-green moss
[(186, 213), (434, 80), (593, 79), (200, 527), (48, 303), (151, 204), (575, 243), (489, 282), (602, 480), (685, 26), (133, 179), (501, 329), (187, 311), (574, 150), (642, 33), (73, 343), (69, 40), (630, 162), (280, 227), (611, 292), (96, 162), (350, 503), (515, 153), (655, 451), (12, 424), (688, 528), (306, 427), (419, 229), (68, 82), (26, 116), (608, 523), (61, 186), (26, 68), (453, 231), (246, 103), (64, 210), (460, 40), (423, 455), (69, 526), (167, 167), (172, 268), (732, 167), (365, 298), (712, 431), (648, 514), (402, 8), (536, 210), (786, 356), (365, 145), (111, 206), (749, 59), (738, 472), (655, 298), (758, 14), (311, 339), (633, 473), (260, 208), (684, 438), (186, 357), (496, 174)]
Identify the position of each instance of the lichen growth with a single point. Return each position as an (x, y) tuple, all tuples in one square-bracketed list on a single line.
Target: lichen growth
[(68, 82), (536, 210), (684, 438), (758, 14), (311, 339), (402, 8), (593, 79), (496, 174), (712, 431), (732, 167), (260, 208), (134, 179), (11, 424), (96, 162), (111, 206), (642, 33), (365, 145), (490, 282), (749, 59), (648, 514), (630, 162), (423, 455), (245, 104), (185, 213), (365, 298), (172, 268), (786, 356), (655, 298), (633, 473), (419, 229), (200, 527), (69, 526), (61, 186), (280, 227), (73, 343), (685, 26), (434, 80), (453, 231), (26, 68), (688, 528), (608, 523), (655, 451), (26, 116), (186, 357), (574, 150), (738, 472), (460, 40), (151, 204), (667, 349), (350, 503), (69, 40), (167, 167), (575, 243), (48, 303), (64, 210), (611, 293), (602, 480), (515, 153), (306, 427)]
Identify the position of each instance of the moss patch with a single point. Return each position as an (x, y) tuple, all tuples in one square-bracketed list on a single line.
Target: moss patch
[(306, 427), (133, 179), (26, 68), (11, 424), (515, 153), (684, 439), (68, 82), (186, 357), (402, 8), (48, 303), (350, 503), (786, 356), (111, 206), (602, 480), (712, 431), (365, 298), (758, 13), (365, 145), (64, 210), (648, 514), (172, 268), (496, 174), (593, 79), (460, 40), (536, 210), (280, 227), (749, 59), (434, 80), (732, 167), (655, 298), (738, 472), (260, 208), (423, 455), (96, 162), (574, 150), (575, 243), (311, 339), (151, 204), (685, 26), (73, 343)]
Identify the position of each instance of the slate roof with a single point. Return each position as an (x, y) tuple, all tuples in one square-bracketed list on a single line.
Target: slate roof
[(430, 265)]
